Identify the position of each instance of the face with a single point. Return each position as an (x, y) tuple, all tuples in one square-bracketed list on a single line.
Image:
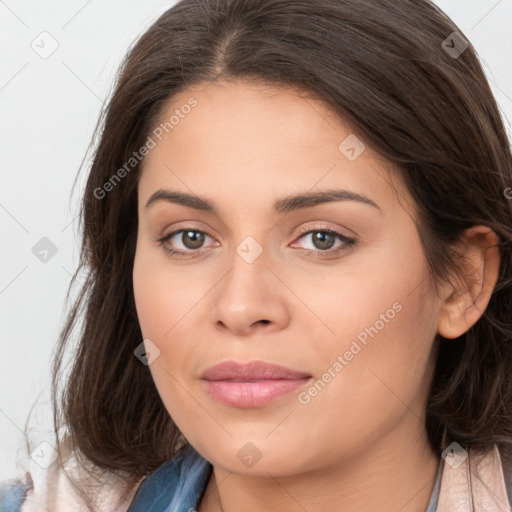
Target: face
[(334, 287)]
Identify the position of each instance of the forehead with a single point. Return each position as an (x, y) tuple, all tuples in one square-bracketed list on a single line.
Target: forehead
[(258, 141), (222, 109)]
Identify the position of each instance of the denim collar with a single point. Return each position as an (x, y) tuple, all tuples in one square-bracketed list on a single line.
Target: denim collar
[(176, 486)]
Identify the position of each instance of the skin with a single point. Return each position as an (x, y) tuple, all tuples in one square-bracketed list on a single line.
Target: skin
[(359, 444)]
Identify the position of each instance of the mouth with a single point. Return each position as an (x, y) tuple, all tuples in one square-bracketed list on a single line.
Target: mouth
[(252, 384)]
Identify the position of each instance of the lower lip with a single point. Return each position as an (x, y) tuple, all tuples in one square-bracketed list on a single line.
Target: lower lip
[(252, 394)]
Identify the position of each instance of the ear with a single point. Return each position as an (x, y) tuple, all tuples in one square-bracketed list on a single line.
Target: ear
[(464, 303)]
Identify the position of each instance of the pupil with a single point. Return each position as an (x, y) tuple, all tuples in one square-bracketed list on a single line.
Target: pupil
[(323, 240), (192, 239)]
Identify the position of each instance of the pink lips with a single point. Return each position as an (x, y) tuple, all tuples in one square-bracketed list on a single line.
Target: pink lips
[(251, 384)]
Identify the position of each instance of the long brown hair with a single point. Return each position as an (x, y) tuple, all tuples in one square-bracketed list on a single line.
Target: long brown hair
[(386, 68)]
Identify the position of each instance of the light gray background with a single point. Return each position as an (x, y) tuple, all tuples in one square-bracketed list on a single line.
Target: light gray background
[(49, 108)]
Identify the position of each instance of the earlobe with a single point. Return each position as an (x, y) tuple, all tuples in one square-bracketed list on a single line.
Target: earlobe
[(465, 303)]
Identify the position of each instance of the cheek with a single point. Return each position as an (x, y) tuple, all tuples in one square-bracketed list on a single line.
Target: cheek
[(163, 313), (373, 365), (163, 319), (163, 296), (376, 384)]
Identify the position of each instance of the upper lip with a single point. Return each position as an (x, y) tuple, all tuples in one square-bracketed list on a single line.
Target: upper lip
[(253, 370)]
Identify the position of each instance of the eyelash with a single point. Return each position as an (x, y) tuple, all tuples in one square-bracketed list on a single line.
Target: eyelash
[(348, 243)]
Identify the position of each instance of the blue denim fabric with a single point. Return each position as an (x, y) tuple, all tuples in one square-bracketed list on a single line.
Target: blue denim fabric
[(177, 485), (12, 495), (434, 497)]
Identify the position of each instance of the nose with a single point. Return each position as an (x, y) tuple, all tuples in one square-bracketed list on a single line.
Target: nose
[(250, 298)]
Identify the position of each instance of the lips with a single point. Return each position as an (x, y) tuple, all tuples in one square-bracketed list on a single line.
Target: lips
[(252, 371), (252, 384)]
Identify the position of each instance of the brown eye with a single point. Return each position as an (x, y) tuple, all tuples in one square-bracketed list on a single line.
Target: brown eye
[(324, 242), (192, 239), (184, 242)]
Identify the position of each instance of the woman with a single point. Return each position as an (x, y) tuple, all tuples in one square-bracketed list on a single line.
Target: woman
[(298, 240)]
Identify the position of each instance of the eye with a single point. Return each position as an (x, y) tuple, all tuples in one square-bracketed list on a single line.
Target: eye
[(323, 241), (184, 242)]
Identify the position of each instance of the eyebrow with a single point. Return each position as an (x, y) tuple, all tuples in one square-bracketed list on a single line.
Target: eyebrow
[(284, 205)]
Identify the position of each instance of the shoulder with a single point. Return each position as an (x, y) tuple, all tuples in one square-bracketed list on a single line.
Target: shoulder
[(13, 493), (52, 489), (506, 461), (179, 482)]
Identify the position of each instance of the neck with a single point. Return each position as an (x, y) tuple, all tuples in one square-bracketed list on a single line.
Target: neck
[(394, 473)]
